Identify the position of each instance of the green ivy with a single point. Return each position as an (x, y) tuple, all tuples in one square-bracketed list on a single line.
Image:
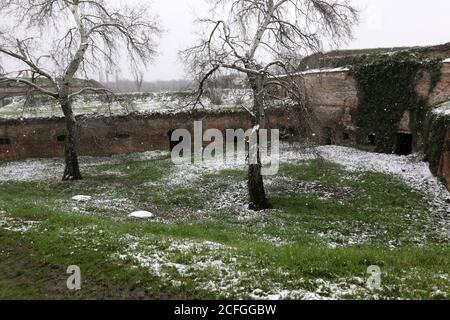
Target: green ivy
[(437, 133), (387, 89)]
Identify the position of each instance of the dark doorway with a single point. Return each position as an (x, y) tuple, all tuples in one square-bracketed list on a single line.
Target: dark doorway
[(404, 144), (346, 136), (5, 141), (61, 138), (328, 136), (372, 140)]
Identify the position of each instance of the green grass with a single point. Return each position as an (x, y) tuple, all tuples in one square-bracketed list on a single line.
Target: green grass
[(318, 237)]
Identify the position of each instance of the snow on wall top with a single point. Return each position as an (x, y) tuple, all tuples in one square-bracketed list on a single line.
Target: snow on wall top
[(443, 109), (447, 60), (316, 71), (161, 102), (325, 70)]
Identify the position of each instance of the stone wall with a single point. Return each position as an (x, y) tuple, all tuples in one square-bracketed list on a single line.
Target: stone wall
[(444, 167), (337, 58), (102, 136), (333, 96)]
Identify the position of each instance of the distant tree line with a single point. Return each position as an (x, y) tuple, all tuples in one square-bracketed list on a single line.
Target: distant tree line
[(146, 86), (231, 81)]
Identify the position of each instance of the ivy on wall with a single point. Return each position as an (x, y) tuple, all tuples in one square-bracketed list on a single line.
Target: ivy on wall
[(437, 132), (387, 87)]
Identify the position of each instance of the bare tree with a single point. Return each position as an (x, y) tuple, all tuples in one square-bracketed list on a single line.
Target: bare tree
[(138, 79), (254, 39), (86, 34)]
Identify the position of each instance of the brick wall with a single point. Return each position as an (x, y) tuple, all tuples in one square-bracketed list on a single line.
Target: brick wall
[(336, 58), (444, 167), (100, 136), (333, 96)]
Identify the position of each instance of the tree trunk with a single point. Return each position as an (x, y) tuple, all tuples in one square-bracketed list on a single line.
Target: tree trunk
[(257, 192), (72, 169)]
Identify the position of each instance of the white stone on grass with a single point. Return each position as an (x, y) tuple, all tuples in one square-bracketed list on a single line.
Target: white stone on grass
[(80, 198), (141, 214)]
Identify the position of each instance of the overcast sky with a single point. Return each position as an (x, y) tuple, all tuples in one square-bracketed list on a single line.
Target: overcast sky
[(384, 23)]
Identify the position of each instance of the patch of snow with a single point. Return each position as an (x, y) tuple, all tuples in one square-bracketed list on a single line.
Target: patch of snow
[(336, 239), (317, 71), (325, 290), (325, 70), (415, 173), (31, 170), (16, 225), (81, 198), (447, 60), (443, 109), (141, 214), (276, 241)]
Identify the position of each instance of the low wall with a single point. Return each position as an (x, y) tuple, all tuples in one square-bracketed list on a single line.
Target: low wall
[(102, 136)]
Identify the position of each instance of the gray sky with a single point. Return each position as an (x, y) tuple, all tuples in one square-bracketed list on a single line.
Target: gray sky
[(384, 23)]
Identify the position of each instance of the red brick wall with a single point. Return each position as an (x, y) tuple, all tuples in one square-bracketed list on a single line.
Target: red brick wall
[(99, 136)]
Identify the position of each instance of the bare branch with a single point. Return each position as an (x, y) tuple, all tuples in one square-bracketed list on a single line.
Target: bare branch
[(91, 90), (258, 29), (30, 84)]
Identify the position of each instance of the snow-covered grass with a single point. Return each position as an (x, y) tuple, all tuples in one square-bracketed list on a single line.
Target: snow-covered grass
[(16, 225), (333, 217), (48, 169), (161, 102), (415, 173)]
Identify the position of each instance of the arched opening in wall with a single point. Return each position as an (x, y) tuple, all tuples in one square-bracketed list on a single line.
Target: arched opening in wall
[(345, 136), (372, 140), (328, 136), (5, 141), (123, 135), (61, 138), (404, 144)]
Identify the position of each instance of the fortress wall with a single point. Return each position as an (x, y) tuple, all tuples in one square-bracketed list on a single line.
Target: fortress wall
[(102, 136)]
